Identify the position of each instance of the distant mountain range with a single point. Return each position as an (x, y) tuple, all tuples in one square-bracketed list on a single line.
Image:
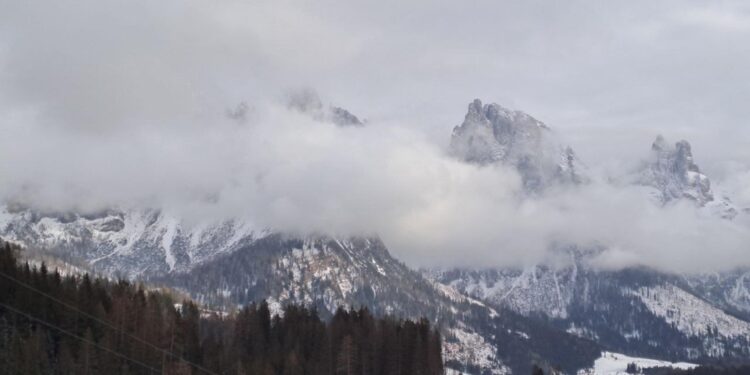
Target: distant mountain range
[(497, 321), (638, 311)]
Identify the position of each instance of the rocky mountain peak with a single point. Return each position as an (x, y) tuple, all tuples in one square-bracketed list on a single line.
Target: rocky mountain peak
[(673, 172), (491, 133), (309, 102)]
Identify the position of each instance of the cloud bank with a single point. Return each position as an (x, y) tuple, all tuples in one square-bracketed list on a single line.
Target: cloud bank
[(107, 104), (284, 170)]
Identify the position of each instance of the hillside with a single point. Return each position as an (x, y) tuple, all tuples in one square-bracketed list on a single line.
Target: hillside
[(78, 324)]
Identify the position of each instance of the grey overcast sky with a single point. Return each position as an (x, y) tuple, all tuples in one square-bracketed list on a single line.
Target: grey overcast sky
[(629, 69), (125, 102)]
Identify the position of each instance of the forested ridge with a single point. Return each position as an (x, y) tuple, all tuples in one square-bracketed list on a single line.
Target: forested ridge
[(55, 324)]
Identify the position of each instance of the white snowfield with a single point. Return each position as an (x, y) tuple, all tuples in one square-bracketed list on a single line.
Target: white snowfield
[(616, 364), (613, 364)]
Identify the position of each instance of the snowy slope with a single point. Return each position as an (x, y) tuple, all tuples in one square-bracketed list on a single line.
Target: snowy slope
[(327, 272), (728, 290), (483, 354), (538, 289), (637, 311), (126, 242), (616, 364), (690, 314)]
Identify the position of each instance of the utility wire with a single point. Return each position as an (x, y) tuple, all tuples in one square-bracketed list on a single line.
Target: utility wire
[(50, 325), (109, 325)]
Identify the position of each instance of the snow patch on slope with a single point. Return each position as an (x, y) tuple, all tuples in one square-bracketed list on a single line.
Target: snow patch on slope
[(168, 236), (616, 364), (470, 347)]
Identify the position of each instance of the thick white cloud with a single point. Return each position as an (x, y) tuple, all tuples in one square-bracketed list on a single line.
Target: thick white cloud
[(284, 170), (124, 103)]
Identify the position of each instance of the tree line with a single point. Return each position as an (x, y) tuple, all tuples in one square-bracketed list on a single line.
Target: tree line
[(78, 324)]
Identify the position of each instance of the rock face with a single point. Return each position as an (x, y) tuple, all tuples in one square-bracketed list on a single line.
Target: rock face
[(675, 175), (494, 134), (672, 175)]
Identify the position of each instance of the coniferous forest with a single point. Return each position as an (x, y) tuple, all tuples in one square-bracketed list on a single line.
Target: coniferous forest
[(54, 324)]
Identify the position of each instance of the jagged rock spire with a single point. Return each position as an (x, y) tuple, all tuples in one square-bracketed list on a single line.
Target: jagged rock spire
[(491, 133), (673, 172)]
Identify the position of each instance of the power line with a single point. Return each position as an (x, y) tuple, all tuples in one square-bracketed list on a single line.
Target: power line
[(50, 325), (109, 325)]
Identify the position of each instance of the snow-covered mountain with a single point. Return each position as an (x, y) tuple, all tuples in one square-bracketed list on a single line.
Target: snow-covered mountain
[(491, 133), (130, 243), (231, 263), (673, 175), (635, 311)]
